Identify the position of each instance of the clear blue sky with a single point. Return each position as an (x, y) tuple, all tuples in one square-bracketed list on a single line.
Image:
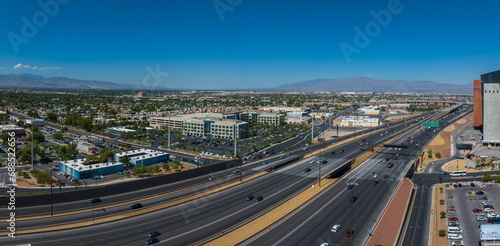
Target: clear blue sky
[(257, 44)]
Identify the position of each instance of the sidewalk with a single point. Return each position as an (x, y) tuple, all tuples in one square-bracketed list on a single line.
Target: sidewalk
[(388, 229)]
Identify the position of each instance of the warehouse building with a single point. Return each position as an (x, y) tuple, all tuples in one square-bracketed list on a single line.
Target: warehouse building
[(19, 131), (77, 169)]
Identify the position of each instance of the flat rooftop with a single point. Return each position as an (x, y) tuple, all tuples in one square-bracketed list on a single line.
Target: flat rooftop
[(77, 164)]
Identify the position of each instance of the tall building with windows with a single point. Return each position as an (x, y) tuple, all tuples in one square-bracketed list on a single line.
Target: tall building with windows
[(490, 110)]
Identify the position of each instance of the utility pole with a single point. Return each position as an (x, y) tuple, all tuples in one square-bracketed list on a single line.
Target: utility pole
[(312, 128), (235, 139), (32, 143), (168, 129), (51, 198)]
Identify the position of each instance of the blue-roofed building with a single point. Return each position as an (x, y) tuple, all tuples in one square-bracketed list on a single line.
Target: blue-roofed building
[(77, 169), (143, 156)]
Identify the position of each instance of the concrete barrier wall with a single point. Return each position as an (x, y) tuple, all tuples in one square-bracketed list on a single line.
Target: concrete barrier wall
[(117, 188)]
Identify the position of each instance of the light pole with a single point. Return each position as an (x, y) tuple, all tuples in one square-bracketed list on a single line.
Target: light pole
[(168, 129), (51, 198), (312, 128), (32, 144)]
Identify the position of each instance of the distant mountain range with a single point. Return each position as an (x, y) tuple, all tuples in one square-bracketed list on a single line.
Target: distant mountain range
[(37, 81), (357, 84), (363, 84)]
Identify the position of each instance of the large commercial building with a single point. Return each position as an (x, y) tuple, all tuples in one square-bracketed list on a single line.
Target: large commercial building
[(490, 84), (145, 157), (77, 169), (12, 128), (216, 128), (478, 104), (271, 119), (177, 122)]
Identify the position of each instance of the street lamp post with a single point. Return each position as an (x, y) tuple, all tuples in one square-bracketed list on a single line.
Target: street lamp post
[(168, 129), (51, 198)]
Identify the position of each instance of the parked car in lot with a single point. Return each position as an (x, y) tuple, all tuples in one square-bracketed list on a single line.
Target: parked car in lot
[(477, 210), (454, 236), (452, 219), (479, 193), (481, 218), (489, 210)]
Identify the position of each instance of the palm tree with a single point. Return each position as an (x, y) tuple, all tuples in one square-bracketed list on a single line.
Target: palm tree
[(76, 183), (60, 182)]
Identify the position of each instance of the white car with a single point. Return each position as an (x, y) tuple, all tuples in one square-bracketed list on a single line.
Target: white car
[(454, 236), (311, 162), (335, 228), (489, 210), (458, 243), (324, 244), (481, 218)]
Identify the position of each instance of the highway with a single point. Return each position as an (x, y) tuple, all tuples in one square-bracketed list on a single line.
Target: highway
[(202, 218), (311, 225)]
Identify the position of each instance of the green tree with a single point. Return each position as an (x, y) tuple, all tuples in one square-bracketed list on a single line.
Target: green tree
[(175, 166), (20, 124), (166, 166), (105, 155), (443, 214), (429, 153), (64, 129), (438, 155), (58, 136), (157, 169), (442, 232), (76, 183), (52, 117), (125, 160)]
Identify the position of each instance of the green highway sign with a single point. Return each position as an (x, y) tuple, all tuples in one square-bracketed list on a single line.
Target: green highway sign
[(431, 124)]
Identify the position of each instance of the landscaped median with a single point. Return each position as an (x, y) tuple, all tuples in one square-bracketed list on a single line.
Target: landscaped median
[(438, 223), (128, 214)]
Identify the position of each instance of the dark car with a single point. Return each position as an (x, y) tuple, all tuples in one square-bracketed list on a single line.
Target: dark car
[(342, 151), (137, 205), (212, 178), (472, 185), (353, 199), (152, 240), (480, 193), (386, 176), (455, 185), (375, 182), (307, 170), (154, 234), (95, 200), (250, 197), (349, 233), (324, 162), (259, 198), (386, 159), (459, 185), (333, 152)]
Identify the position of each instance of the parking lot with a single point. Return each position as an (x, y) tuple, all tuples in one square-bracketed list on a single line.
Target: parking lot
[(463, 203), (260, 137)]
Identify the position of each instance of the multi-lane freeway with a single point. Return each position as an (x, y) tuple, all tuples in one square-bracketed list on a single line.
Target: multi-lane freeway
[(213, 214)]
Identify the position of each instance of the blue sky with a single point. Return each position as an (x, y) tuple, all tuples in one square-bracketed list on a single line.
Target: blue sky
[(255, 44)]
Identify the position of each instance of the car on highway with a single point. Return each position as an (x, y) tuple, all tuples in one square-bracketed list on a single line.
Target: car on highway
[(349, 233), (311, 162), (259, 198), (390, 165), (307, 170), (336, 228), (386, 176), (375, 182), (212, 178), (264, 163), (324, 162), (152, 240), (372, 173), (375, 176), (342, 151), (333, 152), (281, 157), (350, 185), (137, 205), (154, 234), (353, 199), (250, 197), (379, 161), (96, 200), (395, 158)]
